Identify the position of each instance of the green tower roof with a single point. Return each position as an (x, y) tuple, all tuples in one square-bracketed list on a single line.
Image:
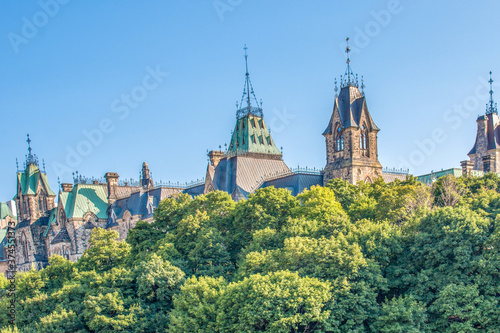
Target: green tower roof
[(251, 135)]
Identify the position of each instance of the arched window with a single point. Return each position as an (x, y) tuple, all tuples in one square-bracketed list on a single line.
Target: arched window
[(24, 247), (339, 140), (363, 138), (66, 253), (42, 205)]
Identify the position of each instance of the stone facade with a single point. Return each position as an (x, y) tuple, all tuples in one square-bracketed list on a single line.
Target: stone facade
[(351, 139), (485, 154)]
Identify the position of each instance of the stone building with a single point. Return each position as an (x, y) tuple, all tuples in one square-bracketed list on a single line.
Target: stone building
[(251, 161), (485, 154), (351, 136), (34, 204)]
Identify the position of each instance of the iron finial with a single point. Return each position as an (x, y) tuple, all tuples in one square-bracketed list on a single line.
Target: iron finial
[(491, 105), (336, 88)]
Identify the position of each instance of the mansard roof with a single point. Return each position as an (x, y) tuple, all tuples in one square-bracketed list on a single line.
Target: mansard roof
[(28, 180), (85, 198), (251, 135), (136, 203), (350, 105), (246, 173)]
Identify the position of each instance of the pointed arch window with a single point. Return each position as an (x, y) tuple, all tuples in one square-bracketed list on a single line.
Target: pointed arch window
[(24, 247), (363, 138), (339, 139)]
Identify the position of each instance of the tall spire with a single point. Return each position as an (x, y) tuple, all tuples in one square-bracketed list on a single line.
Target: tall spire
[(491, 107), (348, 79), (248, 93), (30, 158)]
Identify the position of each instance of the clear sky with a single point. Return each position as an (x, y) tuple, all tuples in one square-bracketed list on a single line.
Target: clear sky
[(157, 81)]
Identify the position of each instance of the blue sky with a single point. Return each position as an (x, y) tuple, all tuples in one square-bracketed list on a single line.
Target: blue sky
[(67, 70)]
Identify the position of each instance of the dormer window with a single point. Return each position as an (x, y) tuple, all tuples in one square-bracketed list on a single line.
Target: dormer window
[(150, 207), (243, 124), (253, 123)]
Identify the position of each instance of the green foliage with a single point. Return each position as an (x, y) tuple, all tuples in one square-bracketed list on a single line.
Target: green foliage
[(401, 314), (371, 257), (105, 251), (196, 306), (277, 302)]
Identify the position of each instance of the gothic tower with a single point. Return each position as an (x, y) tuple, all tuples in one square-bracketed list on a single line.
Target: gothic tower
[(251, 157), (351, 134), (485, 155), (34, 202)]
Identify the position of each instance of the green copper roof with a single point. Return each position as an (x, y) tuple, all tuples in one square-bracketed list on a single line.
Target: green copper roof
[(29, 180), (251, 135), (5, 211), (52, 219), (85, 198), (433, 176)]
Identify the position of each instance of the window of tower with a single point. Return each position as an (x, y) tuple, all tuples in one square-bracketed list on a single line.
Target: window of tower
[(339, 140)]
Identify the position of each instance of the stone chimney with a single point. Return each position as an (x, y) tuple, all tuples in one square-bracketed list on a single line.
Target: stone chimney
[(489, 163), (67, 187), (112, 181), (215, 157), (146, 180), (467, 167)]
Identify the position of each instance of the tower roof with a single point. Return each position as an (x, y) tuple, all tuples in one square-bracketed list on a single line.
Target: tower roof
[(29, 178), (350, 103), (251, 134)]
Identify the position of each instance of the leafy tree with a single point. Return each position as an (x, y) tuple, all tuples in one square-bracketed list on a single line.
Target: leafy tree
[(363, 207), (345, 192), (319, 204), (356, 281), (105, 251), (171, 211), (277, 302), (158, 281), (266, 208), (401, 314), (196, 306)]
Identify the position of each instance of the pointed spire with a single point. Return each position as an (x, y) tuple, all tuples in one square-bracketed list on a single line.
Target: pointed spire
[(30, 158), (248, 93), (491, 107), (349, 78)]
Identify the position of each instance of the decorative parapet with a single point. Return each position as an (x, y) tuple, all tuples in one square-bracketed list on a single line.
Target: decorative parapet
[(396, 171)]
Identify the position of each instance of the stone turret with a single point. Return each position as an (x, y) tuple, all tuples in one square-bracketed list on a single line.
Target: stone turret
[(112, 181)]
